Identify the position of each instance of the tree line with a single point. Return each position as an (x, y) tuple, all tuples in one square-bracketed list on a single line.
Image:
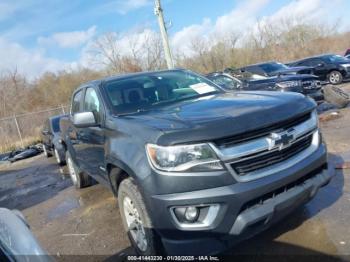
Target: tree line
[(282, 41)]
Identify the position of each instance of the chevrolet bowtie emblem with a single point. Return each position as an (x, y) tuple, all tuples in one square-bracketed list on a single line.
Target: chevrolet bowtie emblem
[(280, 140)]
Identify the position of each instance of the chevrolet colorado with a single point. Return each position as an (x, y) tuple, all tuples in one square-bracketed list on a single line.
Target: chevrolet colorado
[(195, 169)]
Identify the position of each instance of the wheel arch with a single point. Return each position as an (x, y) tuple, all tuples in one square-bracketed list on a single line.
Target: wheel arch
[(117, 172), (342, 71)]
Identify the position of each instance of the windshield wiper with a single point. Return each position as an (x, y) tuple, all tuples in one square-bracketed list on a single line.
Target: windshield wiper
[(139, 110), (180, 99)]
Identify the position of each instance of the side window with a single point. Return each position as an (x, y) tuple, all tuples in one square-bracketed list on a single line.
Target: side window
[(92, 103), (318, 62), (309, 62), (76, 102)]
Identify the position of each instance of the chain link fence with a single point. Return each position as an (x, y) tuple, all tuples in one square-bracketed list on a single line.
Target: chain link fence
[(25, 129)]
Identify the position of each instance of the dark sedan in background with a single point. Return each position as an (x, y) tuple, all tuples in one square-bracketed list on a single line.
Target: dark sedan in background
[(305, 84), (51, 136), (331, 68), (275, 69)]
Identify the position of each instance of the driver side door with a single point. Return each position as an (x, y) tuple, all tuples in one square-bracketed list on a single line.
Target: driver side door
[(92, 153)]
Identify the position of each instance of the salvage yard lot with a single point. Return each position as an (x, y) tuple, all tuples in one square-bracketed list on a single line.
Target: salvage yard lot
[(87, 222)]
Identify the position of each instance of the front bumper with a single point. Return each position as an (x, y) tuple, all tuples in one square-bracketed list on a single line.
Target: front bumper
[(246, 208)]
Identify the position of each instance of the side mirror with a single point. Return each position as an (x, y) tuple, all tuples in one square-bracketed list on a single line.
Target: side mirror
[(84, 119)]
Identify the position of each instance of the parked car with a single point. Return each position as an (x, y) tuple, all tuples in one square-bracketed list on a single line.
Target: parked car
[(17, 242), (52, 142), (332, 68), (275, 69), (305, 84), (194, 168)]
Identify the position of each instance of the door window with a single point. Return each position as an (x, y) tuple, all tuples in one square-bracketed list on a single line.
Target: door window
[(76, 102), (92, 103)]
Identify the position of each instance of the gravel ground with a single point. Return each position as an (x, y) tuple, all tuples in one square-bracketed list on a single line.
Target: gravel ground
[(69, 222)]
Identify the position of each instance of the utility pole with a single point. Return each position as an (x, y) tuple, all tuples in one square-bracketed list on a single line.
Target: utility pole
[(159, 12)]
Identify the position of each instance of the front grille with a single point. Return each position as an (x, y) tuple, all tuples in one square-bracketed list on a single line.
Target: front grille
[(311, 84), (267, 158), (272, 194), (283, 125)]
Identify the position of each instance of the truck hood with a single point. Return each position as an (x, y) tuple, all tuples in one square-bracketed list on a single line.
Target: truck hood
[(219, 116)]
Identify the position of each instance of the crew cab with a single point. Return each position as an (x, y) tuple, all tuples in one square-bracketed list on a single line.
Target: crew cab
[(195, 169)]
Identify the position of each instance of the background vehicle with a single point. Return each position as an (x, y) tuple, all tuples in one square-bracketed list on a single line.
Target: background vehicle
[(348, 56), (17, 243), (275, 68), (194, 167), (52, 142), (332, 68), (304, 84)]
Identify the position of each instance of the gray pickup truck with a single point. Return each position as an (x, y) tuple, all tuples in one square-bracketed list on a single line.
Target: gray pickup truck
[(195, 169)]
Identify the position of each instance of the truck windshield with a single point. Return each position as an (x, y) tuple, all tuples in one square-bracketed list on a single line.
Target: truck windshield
[(141, 92)]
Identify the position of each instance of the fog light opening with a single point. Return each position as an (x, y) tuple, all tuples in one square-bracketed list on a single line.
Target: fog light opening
[(191, 214)]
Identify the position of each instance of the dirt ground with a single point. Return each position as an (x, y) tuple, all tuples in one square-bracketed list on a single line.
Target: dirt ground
[(87, 222)]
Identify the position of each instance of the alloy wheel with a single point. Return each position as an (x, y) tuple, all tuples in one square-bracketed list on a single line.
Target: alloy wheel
[(135, 225), (334, 78)]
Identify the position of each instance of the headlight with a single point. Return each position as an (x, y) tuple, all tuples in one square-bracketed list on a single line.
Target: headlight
[(314, 118), (288, 84), (190, 158)]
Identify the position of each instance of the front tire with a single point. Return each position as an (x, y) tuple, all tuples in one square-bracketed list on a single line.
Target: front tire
[(335, 77), (136, 220), (79, 178)]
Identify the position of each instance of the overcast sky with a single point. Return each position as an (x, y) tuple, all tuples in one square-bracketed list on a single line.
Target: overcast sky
[(49, 35)]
